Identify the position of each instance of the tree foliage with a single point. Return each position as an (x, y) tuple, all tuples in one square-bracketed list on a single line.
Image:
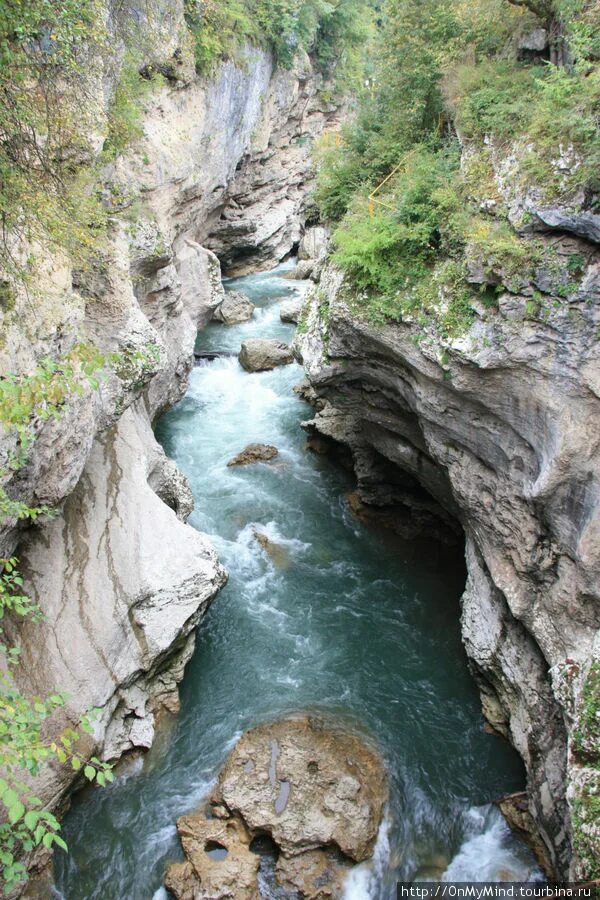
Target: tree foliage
[(334, 31), (449, 69), (45, 50)]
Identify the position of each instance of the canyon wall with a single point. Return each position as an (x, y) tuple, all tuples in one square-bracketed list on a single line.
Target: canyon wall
[(121, 579), (501, 426), (498, 429)]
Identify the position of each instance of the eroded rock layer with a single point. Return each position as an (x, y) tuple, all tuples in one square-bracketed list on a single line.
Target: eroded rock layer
[(120, 577), (501, 429)]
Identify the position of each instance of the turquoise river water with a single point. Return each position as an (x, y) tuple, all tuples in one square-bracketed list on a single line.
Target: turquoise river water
[(344, 620)]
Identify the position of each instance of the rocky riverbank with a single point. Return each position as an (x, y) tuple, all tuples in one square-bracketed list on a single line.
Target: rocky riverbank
[(119, 576), (498, 430)]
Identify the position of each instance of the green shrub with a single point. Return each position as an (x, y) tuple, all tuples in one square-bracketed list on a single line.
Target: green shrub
[(550, 107), (126, 111), (403, 252), (412, 221), (334, 30), (218, 28), (445, 68), (491, 97)]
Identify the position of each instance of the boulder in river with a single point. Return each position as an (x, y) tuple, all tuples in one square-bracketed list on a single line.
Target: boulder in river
[(316, 789), (260, 354), (235, 308), (291, 309), (254, 453), (308, 785), (302, 271), (219, 862)]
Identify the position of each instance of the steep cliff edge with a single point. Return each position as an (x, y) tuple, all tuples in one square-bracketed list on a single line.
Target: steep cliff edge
[(119, 576), (500, 427)]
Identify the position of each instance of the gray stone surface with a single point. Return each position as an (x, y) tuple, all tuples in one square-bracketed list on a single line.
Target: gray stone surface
[(505, 435), (291, 309), (235, 308), (123, 582), (303, 270), (583, 224), (260, 354), (314, 243), (263, 219)]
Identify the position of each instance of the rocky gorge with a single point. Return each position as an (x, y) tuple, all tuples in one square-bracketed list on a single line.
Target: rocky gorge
[(119, 576), (491, 435), (498, 426)]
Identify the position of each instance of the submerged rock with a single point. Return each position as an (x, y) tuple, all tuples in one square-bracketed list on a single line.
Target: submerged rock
[(290, 311), (317, 790), (235, 308), (258, 354), (254, 453), (279, 555)]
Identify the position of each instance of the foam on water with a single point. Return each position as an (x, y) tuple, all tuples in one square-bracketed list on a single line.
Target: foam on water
[(365, 881), (489, 852), (160, 894)]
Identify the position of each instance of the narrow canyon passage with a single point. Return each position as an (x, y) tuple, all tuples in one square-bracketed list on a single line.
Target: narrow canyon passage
[(322, 613)]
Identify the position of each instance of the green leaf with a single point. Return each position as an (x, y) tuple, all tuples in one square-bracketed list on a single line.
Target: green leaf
[(60, 842), (89, 772), (15, 812), (32, 819), (9, 798)]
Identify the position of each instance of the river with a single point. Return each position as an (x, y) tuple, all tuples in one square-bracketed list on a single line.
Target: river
[(340, 618)]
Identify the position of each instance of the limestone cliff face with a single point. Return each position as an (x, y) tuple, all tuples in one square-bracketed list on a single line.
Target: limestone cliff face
[(502, 428), (121, 578)]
